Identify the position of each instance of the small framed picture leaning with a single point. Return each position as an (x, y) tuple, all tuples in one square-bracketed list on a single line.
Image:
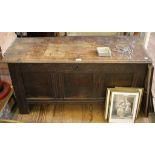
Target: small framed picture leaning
[(123, 104)]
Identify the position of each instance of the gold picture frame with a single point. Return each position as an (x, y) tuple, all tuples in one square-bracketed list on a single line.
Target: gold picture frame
[(141, 91), (126, 93)]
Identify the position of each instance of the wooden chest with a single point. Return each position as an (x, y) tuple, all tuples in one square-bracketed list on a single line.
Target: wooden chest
[(45, 70)]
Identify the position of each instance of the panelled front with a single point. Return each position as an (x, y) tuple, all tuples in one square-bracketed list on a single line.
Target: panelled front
[(78, 85), (38, 84), (78, 81)]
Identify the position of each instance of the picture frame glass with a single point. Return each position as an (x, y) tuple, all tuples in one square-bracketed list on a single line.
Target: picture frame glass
[(123, 106)]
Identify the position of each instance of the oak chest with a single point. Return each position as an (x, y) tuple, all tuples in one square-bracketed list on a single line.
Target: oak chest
[(45, 70)]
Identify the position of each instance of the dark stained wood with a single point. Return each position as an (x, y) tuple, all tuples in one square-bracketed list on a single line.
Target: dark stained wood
[(151, 106), (1, 55), (40, 34), (45, 70), (41, 84), (18, 88), (149, 87)]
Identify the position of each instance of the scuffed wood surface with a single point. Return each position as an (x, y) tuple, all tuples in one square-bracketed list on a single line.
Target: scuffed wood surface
[(67, 49)]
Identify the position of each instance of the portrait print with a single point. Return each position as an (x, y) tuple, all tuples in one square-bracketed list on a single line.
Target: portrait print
[(123, 104)]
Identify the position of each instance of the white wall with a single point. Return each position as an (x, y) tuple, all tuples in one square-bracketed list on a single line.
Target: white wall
[(6, 39)]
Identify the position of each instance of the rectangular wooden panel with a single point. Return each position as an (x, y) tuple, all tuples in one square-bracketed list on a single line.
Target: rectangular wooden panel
[(37, 84), (111, 80), (79, 81), (78, 85)]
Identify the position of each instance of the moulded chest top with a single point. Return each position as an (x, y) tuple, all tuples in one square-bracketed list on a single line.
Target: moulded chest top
[(68, 49)]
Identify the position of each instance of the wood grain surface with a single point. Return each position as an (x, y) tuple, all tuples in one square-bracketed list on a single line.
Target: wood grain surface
[(67, 49), (68, 113)]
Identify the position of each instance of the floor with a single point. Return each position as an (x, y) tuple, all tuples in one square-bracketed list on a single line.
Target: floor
[(63, 113), (67, 114)]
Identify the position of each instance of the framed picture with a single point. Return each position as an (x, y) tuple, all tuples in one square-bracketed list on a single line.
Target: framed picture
[(107, 103), (123, 104), (131, 89)]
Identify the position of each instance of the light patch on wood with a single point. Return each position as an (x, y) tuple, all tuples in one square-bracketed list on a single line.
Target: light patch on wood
[(54, 51)]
